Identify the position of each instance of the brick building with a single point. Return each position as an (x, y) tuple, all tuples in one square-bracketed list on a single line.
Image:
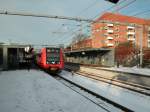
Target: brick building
[(82, 44), (111, 29), (108, 31)]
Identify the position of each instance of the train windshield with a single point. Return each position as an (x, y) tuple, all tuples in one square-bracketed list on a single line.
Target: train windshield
[(53, 55)]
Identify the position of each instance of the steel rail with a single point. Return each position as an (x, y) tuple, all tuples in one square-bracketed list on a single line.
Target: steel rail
[(130, 86), (96, 95)]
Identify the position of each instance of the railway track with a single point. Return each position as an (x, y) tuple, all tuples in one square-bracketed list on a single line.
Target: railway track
[(130, 86), (102, 102), (136, 88)]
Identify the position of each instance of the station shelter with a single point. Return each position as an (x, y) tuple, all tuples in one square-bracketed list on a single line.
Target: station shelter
[(11, 55), (95, 56)]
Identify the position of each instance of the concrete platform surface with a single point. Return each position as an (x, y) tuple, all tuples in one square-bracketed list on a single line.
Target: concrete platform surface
[(35, 91), (132, 70), (127, 77)]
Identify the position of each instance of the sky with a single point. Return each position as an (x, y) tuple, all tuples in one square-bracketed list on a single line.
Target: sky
[(33, 30)]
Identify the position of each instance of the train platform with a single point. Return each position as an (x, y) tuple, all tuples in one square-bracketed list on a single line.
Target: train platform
[(132, 70), (36, 91), (134, 75), (128, 70), (132, 100)]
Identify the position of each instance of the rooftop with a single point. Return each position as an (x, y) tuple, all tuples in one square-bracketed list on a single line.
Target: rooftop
[(123, 18)]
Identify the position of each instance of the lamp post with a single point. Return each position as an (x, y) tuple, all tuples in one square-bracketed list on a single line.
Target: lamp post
[(141, 47)]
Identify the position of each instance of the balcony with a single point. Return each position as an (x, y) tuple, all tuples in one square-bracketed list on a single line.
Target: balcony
[(130, 33), (110, 31), (131, 39), (110, 25), (110, 38), (130, 27), (110, 44)]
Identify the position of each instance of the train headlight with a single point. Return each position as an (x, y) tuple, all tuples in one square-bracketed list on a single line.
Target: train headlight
[(53, 62)]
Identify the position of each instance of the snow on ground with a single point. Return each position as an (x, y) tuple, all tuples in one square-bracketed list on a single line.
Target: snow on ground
[(129, 99), (134, 70), (35, 91)]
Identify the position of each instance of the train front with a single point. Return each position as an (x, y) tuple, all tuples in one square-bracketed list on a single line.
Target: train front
[(54, 59)]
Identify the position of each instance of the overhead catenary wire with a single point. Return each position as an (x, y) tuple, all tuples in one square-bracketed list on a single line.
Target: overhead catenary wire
[(74, 32), (106, 11), (76, 29), (110, 8), (55, 17), (81, 12), (102, 21), (44, 16), (141, 13), (126, 5), (3, 12), (88, 7)]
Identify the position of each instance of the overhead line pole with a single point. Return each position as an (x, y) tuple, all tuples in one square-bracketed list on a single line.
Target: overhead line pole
[(141, 47)]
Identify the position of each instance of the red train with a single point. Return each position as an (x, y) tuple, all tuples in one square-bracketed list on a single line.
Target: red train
[(51, 59)]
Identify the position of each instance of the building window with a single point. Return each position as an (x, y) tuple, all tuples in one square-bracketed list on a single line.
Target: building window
[(149, 29), (103, 41), (116, 43), (117, 30), (130, 30), (148, 43), (116, 36), (97, 30), (130, 36), (110, 25), (105, 34), (105, 28)]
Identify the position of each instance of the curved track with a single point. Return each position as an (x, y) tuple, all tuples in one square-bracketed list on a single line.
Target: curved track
[(86, 92), (127, 85)]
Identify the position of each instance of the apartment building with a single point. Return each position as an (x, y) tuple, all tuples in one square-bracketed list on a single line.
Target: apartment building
[(83, 44), (111, 29)]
